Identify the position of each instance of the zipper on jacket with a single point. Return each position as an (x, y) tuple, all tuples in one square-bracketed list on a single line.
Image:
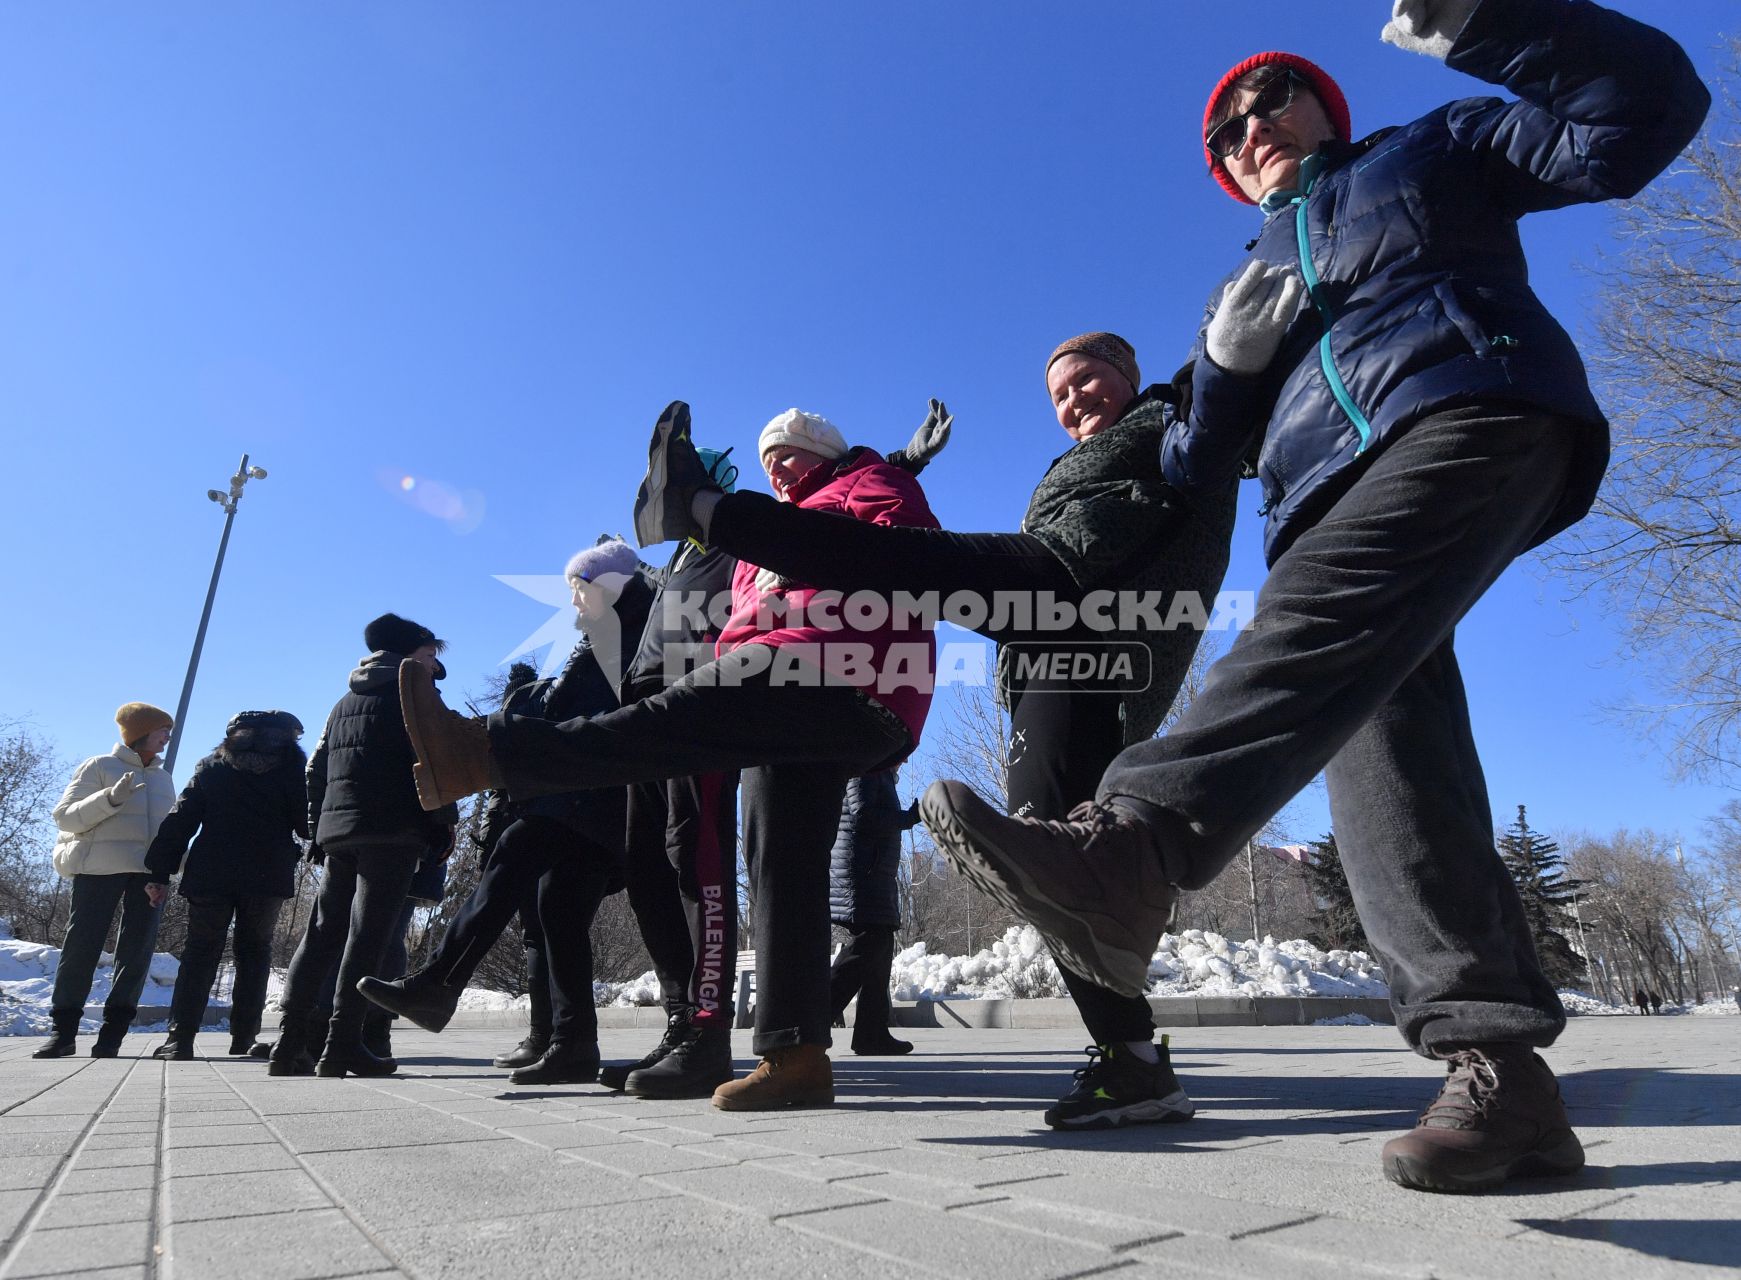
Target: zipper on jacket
[(1326, 360)]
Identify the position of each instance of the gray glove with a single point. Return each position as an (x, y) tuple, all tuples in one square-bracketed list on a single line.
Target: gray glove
[(767, 580), (1253, 317), (932, 435), (124, 787), (1427, 26)]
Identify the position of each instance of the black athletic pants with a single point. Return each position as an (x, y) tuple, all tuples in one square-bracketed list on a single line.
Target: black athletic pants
[(208, 924), (797, 744)]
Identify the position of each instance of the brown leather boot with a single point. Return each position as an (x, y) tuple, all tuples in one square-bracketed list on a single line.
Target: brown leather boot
[(453, 751), (799, 1075), (1498, 1116), (1092, 885)]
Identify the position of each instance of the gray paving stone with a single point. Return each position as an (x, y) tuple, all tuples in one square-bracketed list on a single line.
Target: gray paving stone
[(949, 1242), (196, 1162), (283, 1246), (26, 1173), (128, 1179), (14, 1207), (40, 1124), (25, 1145), (117, 1157), (911, 1189), (211, 1119), (97, 1208), (564, 1136), (223, 1135), (402, 1126), (637, 1158), (762, 1190), (1175, 1210), (80, 1249), (236, 1194), (458, 1181)]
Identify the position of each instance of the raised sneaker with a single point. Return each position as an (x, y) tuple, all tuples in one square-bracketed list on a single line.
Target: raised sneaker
[(1497, 1116), (697, 1065), (798, 1075), (1092, 885), (1117, 1088), (675, 474), (453, 751), (616, 1076)]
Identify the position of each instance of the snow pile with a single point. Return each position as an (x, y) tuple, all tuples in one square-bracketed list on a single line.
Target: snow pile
[(27, 972), (1347, 1020), (1581, 1003), (643, 991), (1187, 964), (1713, 1008)]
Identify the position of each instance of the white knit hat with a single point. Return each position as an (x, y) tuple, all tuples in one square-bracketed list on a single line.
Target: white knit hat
[(802, 430)]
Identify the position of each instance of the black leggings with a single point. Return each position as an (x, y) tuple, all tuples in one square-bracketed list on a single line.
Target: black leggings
[(1066, 736)]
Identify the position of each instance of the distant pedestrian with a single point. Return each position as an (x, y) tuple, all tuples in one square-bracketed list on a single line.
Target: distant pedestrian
[(107, 816), (1655, 1001), (372, 834), (865, 900), (247, 801), (1642, 1000)]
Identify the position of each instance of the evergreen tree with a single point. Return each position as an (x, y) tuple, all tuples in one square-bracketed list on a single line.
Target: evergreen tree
[(1338, 925), (1540, 875)]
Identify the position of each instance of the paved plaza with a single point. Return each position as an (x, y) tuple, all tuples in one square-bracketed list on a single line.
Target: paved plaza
[(936, 1164)]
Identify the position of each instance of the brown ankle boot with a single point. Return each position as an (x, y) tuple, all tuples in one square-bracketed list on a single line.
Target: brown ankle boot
[(453, 751), (799, 1075)]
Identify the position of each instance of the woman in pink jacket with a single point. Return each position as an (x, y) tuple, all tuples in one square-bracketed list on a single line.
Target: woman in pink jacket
[(802, 696)]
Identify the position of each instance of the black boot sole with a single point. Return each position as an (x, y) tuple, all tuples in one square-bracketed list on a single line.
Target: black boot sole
[(393, 999), (1562, 1157)]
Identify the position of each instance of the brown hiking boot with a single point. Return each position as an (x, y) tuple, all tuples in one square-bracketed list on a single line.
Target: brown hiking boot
[(453, 751), (1498, 1116), (1092, 885), (798, 1075)]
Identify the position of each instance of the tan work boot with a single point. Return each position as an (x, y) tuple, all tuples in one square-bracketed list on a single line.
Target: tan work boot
[(453, 751), (799, 1075)]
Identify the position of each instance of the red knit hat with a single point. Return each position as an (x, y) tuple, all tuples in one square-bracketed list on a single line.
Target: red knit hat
[(1335, 106)]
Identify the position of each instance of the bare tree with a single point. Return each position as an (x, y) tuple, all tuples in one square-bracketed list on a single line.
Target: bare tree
[(32, 896), (1663, 544)]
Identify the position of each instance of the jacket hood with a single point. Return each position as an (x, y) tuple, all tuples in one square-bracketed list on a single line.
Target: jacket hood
[(856, 457), (257, 757), (378, 673), (126, 753)]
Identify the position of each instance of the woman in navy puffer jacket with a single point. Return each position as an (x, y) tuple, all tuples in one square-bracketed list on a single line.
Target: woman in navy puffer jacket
[(1418, 421)]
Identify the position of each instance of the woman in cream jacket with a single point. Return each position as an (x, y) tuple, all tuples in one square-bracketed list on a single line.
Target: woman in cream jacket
[(107, 817)]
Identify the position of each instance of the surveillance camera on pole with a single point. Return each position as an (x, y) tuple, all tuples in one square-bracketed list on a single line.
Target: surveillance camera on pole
[(228, 501)]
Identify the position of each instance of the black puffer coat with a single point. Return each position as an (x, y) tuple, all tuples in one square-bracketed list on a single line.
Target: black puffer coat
[(691, 601), (1123, 533), (1409, 243), (247, 802), (360, 788), (862, 870)]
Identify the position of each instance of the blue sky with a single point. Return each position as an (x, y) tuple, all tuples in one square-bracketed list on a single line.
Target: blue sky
[(482, 246)]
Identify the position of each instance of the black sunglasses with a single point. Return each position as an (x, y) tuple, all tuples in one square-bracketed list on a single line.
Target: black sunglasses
[(1273, 99)]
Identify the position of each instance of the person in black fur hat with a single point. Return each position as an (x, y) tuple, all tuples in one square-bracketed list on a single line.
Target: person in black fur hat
[(247, 801), (372, 833)]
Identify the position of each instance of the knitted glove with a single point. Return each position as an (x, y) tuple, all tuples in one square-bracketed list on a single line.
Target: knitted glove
[(1253, 317), (1427, 26), (124, 787), (927, 441)]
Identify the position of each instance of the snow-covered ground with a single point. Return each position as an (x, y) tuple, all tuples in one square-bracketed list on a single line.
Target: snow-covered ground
[(1191, 963)]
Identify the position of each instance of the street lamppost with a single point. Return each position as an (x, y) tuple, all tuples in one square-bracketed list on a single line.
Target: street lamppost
[(228, 501)]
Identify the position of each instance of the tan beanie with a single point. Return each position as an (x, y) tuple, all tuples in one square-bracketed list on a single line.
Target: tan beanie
[(1108, 348), (137, 719)]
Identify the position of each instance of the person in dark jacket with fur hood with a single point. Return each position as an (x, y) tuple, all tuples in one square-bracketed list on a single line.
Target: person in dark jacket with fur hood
[(864, 898), (558, 854), (372, 834), (1419, 421), (247, 802)]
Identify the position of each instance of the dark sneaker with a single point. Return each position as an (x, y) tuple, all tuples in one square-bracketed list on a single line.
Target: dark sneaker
[(1092, 885), (560, 1064), (525, 1053), (173, 1050), (879, 1044), (245, 1046), (616, 1076), (675, 474), (419, 996), (697, 1065), (1117, 1088), (1498, 1116)]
